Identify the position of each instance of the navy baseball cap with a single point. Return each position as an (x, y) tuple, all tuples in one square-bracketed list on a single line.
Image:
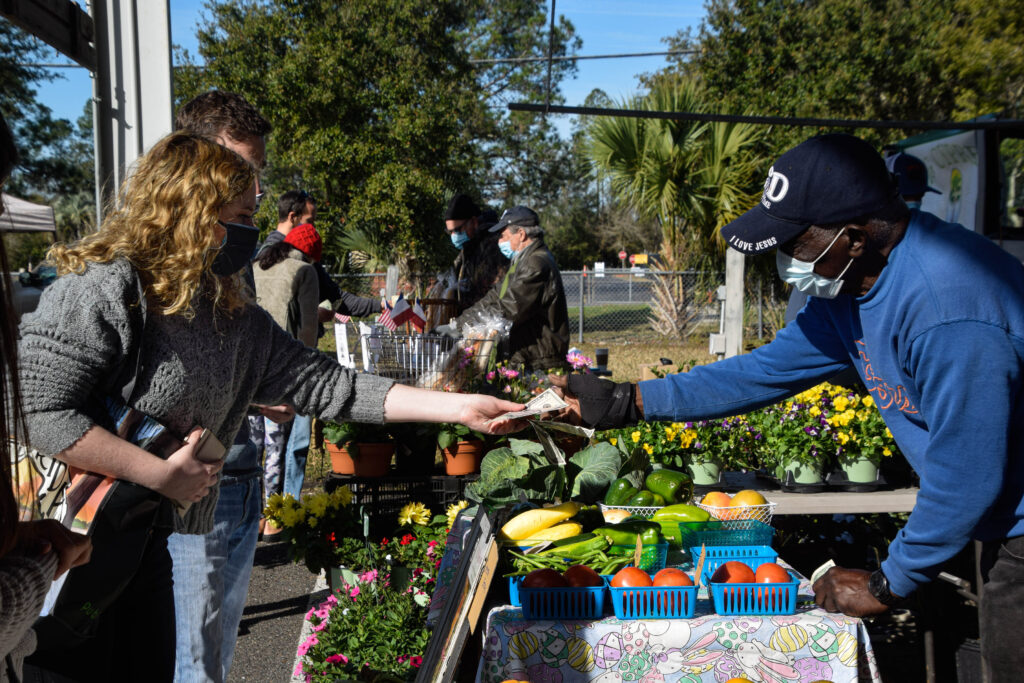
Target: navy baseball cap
[(911, 174), (518, 215), (826, 179)]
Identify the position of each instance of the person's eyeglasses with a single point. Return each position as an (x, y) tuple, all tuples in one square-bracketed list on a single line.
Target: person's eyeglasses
[(458, 229), (259, 198)]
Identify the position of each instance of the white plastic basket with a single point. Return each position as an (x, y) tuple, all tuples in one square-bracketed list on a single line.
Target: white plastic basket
[(762, 513), (635, 510)]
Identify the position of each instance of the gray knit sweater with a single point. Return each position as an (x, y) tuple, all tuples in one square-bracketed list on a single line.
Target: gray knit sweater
[(24, 580), (204, 371)]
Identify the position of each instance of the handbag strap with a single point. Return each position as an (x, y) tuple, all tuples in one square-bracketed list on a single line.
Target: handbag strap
[(135, 360)]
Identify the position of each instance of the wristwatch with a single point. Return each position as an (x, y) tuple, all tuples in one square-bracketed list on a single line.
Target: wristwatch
[(878, 586)]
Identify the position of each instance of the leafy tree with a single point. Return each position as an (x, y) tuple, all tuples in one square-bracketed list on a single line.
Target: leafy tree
[(378, 110), (859, 59), (983, 50)]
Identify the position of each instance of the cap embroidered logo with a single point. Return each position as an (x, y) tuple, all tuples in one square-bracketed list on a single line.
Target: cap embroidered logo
[(776, 185)]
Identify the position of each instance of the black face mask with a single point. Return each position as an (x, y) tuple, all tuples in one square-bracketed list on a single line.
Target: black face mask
[(236, 250)]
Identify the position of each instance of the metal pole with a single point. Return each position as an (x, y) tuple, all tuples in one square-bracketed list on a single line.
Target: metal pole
[(579, 337)]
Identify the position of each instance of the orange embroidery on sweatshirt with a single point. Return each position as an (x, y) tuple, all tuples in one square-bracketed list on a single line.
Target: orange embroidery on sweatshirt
[(886, 396)]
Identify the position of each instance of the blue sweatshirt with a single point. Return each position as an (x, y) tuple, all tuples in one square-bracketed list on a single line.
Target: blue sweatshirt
[(939, 343)]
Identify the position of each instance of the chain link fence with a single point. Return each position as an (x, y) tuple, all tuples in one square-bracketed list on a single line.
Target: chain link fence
[(635, 304)]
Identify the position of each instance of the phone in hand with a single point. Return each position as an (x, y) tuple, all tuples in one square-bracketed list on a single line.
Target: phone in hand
[(210, 449)]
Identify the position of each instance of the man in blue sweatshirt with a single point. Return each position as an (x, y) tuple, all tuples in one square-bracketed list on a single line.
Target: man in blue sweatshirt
[(931, 316)]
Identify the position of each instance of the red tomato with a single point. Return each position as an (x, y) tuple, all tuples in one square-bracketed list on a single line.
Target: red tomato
[(769, 572), (733, 571), (670, 576), (631, 577), (544, 578), (582, 576)]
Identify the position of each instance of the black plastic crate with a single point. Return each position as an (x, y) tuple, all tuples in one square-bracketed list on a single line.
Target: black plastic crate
[(384, 497)]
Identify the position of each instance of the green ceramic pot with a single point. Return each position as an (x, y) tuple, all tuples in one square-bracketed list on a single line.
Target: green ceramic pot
[(861, 470), (704, 473), (803, 474)]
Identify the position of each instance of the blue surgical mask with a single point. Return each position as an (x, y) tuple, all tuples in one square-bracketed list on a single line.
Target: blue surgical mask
[(507, 250), (913, 205), (236, 250), (801, 274), (459, 239)]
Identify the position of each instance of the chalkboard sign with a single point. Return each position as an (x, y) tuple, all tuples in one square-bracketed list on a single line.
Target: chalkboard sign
[(464, 605)]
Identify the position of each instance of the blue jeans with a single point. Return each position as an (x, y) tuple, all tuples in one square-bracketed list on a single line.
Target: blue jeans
[(211, 580), (295, 455)]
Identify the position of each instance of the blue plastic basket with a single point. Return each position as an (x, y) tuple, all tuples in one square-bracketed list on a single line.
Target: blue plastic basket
[(563, 603), (513, 589), (652, 557), (655, 602), (751, 555), (754, 598), (716, 532)]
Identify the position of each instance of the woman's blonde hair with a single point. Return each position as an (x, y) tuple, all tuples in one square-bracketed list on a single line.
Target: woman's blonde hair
[(164, 223)]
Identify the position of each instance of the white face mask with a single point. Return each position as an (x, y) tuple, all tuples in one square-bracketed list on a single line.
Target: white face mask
[(801, 274)]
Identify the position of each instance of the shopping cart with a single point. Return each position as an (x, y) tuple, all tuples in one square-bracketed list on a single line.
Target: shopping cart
[(423, 360)]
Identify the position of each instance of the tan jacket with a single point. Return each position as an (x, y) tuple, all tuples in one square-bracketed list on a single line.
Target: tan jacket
[(289, 292)]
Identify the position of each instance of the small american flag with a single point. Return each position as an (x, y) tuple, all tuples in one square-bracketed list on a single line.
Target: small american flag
[(342, 318), (385, 317)]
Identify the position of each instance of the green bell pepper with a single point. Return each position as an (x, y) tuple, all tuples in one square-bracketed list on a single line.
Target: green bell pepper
[(669, 518), (625, 533), (659, 500), (619, 492), (674, 487), (642, 499), (681, 512)]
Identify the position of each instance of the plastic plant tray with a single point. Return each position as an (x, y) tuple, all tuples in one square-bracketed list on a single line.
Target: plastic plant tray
[(654, 602), (762, 513), (753, 598), (634, 510), (563, 603), (751, 555), (717, 532), (652, 557)]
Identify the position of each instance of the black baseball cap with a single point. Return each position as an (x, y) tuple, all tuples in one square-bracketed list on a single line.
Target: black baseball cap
[(460, 208), (520, 216), (911, 174), (826, 179)]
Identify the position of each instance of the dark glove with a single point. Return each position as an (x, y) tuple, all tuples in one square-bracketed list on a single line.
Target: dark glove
[(604, 404)]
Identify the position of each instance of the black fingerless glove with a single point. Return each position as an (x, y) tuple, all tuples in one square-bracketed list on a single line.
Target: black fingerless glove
[(604, 404)]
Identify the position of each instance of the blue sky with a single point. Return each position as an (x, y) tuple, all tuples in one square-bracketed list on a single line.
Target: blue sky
[(606, 27)]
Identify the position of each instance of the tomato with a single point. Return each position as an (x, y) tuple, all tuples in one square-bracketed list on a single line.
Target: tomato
[(733, 571), (582, 576), (769, 572), (631, 577), (670, 576), (544, 578)]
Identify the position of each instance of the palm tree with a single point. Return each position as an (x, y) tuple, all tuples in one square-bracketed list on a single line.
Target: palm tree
[(693, 177)]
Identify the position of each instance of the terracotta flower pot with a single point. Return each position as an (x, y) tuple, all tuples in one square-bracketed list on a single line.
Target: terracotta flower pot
[(374, 459), (464, 457)]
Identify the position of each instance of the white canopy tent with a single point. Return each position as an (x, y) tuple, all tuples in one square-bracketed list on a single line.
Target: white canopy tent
[(22, 216)]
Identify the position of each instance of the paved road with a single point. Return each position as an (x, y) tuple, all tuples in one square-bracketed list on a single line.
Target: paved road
[(274, 613)]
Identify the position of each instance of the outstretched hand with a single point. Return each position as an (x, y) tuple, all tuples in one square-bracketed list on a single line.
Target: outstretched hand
[(478, 409), (846, 591), (570, 414)]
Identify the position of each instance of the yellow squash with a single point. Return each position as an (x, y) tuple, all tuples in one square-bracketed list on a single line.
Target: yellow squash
[(528, 524), (554, 533)]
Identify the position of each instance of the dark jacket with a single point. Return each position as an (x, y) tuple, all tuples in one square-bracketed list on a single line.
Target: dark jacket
[(479, 265), (534, 301)]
